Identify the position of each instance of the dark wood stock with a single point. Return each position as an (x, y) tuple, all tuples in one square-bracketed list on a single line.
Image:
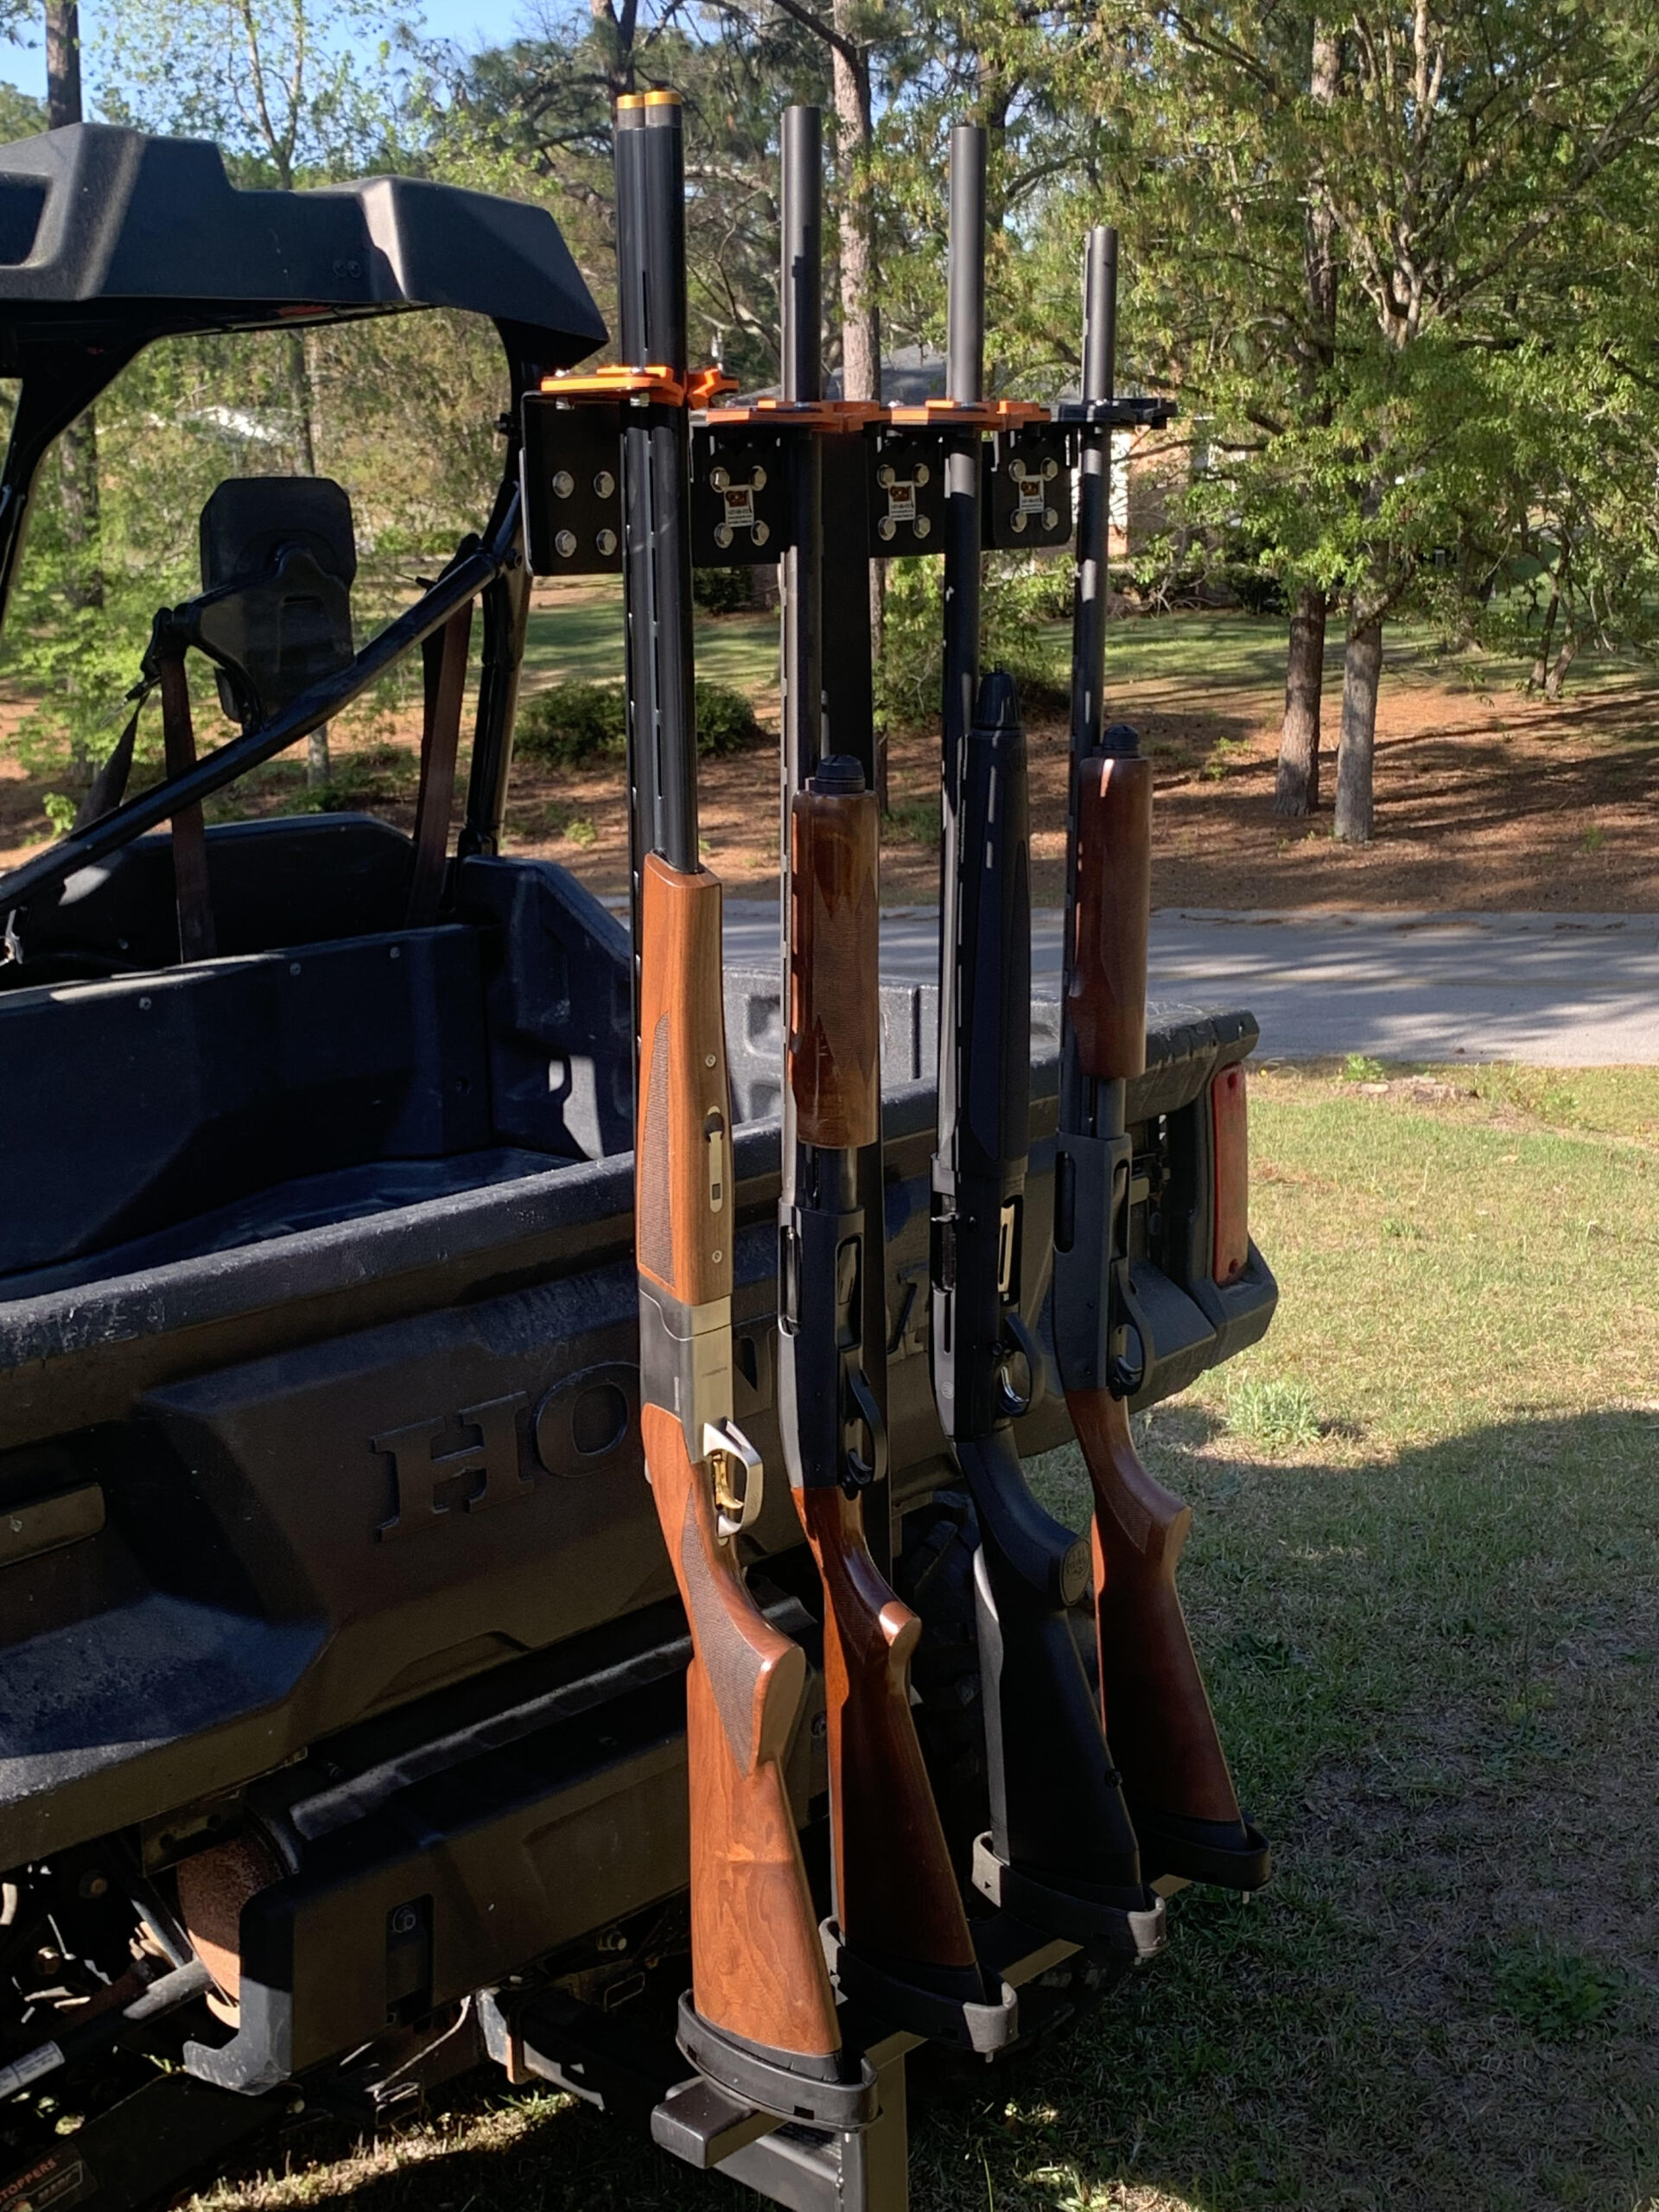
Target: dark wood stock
[(835, 1004), (757, 1962), (1156, 1708), (896, 1895), (1106, 990), (683, 1148)]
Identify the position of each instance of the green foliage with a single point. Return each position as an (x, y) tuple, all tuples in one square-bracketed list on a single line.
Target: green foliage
[(1360, 1067), (1554, 1991), (726, 719), (1017, 632), (570, 724), (721, 591)]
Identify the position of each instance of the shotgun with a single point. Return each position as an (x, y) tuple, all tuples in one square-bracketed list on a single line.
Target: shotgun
[(760, 2017), (900, 1935), (1061, 1853), (1152, 1697)]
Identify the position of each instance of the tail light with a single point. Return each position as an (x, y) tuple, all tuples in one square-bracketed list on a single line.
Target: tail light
[(1230, 1121)]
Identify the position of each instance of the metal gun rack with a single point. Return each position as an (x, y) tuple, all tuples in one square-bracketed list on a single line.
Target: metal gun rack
[(885, 497)]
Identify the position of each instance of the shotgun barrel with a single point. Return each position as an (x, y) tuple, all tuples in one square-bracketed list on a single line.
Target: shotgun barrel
[(902, 1944), (762, 2017), (1153, 1702)]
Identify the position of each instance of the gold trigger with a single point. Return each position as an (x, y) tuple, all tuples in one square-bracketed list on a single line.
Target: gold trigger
[(739, 1477)]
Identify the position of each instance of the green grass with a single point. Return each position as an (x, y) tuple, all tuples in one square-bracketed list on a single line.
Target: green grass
[(1429, 1614), (581, 641), (1212, 657)]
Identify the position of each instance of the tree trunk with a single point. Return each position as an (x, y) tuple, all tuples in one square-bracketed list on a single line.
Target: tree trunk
[(1563, 661), (860, 312), (77, 448), (317, 763), (1537, 681), (1362, 668), (1296, 790)]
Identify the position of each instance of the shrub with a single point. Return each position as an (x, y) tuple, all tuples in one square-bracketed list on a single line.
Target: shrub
[(722, 591), (571, 723), (726, 719), (1023, 595)]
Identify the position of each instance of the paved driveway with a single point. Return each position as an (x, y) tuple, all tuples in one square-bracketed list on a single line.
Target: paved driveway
[(1570, 990)]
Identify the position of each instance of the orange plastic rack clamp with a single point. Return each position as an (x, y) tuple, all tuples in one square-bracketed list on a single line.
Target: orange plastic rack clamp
[(970, 414), (832, 416), (654, 382)]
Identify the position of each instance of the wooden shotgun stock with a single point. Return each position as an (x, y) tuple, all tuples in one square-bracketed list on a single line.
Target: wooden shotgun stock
[(758, 1963), (1153, 1697), (905, 1939)]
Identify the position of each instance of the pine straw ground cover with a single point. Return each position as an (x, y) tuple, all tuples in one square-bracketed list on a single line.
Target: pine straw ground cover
[(1425, 1581)]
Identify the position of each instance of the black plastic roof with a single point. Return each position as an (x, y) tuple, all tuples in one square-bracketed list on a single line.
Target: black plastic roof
[(106, 228)]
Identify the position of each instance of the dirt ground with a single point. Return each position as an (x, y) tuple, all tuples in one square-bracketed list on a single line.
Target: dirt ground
[(1485, 800), (1495, 802)]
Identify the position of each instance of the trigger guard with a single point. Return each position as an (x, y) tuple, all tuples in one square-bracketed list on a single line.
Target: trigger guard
[(1015, 1404), (859, 1472)]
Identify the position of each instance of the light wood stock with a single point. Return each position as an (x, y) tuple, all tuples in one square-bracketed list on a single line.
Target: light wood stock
[(896, 1891), (757, 1962), (1106, 987), (835, 1004), (1156, 1708), (683, 1149)]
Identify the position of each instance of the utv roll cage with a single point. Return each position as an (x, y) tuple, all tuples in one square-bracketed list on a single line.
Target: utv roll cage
[(96, 224)]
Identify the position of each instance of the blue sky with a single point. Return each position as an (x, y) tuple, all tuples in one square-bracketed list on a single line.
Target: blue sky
[(470, 22)]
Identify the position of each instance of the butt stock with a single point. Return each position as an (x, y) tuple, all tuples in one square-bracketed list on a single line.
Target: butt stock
[(1155, 1706), (758, 1968), (897, 1893)]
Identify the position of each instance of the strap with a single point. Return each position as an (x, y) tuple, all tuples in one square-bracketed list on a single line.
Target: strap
[(443, 657), (197, 939), (109, 785)]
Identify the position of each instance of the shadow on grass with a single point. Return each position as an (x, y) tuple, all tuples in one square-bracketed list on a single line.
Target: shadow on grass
[(1435, 1675)]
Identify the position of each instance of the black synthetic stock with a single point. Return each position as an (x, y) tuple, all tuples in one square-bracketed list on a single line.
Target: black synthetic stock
[(1057, 1808)]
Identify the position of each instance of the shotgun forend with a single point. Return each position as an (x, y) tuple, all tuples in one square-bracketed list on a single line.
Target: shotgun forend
[(835, 1023)]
